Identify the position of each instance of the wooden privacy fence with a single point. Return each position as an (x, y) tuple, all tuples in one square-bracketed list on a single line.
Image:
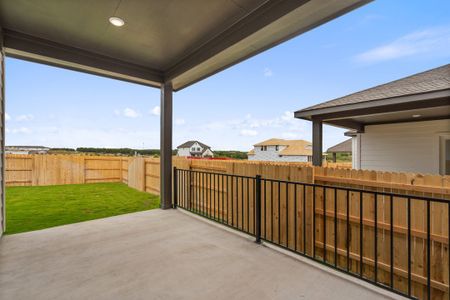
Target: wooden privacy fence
[(395, 241), (34, 170)]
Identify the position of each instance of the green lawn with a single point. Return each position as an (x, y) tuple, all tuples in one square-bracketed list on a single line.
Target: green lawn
[(39, 207)]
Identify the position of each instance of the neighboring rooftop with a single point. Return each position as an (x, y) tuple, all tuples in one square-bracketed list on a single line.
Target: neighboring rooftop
[(26, 147), (429, 81), (293, 147), (345, 146), (189, 144), (273, 142)]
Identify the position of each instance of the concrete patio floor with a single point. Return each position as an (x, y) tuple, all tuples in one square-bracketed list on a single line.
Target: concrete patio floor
[(158, 255)]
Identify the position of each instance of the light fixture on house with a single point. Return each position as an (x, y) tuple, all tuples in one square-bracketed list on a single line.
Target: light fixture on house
[(416, 116), (116, 21)]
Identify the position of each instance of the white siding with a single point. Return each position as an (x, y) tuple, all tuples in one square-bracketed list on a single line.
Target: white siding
[(406, 147), (271, 154), (2, 137), (183, 152), (356, 149), (193, 151), (208, 153)]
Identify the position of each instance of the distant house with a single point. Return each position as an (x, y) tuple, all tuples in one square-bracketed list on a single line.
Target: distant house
[(26, 150), (281, 150), (343, 148), (403, 125), (194, 149)]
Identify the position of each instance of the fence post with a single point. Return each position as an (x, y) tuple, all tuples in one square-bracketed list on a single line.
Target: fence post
[(258, 208), (175, 188)]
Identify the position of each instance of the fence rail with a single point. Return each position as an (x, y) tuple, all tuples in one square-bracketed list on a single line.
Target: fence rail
[(35, 170), (395, 241)]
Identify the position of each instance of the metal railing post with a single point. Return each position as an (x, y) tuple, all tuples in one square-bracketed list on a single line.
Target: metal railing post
[(175, 188), (258, 208)]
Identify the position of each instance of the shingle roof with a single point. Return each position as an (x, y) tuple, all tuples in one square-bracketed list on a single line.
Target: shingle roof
[(188, 144), (293, 147), (273, 142), (297, 147), (429, 81), (345, 146)]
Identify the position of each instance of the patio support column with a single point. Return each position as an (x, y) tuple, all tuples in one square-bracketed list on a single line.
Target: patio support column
[(317, 143), (2, 137), (166, 146)]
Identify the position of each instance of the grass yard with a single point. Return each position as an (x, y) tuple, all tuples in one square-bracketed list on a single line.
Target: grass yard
[(38, 207)]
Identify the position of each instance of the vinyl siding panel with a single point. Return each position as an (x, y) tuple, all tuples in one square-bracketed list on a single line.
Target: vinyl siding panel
[(404, 147), (2, 137)]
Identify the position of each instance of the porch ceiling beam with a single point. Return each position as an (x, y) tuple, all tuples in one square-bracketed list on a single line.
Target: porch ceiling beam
[(267, 13), (26, 47), (317, 142), (264, 15), (350, 124)]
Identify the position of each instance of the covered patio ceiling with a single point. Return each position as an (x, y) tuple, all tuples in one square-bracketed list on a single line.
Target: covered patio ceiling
[(177, 41), (167, 44)]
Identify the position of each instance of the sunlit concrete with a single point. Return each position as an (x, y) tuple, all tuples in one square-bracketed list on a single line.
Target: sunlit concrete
[(158, 255)]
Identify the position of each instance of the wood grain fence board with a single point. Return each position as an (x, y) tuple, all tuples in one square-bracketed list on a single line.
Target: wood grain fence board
[(35, 170)]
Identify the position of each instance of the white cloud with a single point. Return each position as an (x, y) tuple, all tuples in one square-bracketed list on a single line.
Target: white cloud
[(7, 117), (130, 113), (267, 72), (180, 121), (27, 117), (127, 112), (73, 136), (156, 111), (248, 132), (285, 122), (435, 41), (20, 130)]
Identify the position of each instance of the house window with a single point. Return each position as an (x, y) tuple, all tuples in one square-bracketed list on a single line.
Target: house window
[(263, 148), (445, 155), (276, 148)]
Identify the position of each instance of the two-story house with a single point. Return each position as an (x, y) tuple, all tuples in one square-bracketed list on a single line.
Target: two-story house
[(194, 149), (282, 150)]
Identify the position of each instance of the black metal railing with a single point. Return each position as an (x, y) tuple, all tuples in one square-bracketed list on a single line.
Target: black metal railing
[(336, 226)]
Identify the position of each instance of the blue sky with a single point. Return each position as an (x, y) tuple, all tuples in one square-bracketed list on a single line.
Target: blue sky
[(255, 100)]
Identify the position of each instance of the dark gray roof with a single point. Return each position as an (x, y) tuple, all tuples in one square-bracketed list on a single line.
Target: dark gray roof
[(429, 81), (345, 146), (188, 144), (26, 147)]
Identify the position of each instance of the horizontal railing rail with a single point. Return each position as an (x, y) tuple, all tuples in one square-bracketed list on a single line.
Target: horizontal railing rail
[(394, 241)]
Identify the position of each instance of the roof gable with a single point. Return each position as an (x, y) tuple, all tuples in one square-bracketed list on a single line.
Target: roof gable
[(434, 80), (293, 147), (189, 144), (345, 146)]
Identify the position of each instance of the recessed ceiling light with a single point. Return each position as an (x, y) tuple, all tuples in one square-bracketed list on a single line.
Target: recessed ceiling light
[(416, 116), (116, 21)]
